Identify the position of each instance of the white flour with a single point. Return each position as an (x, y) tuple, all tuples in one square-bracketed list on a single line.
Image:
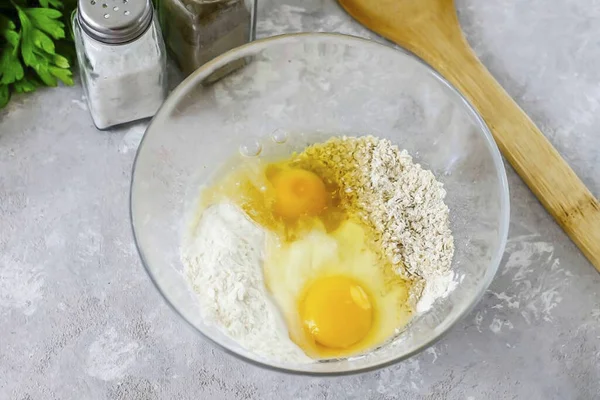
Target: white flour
[(436, 286), (223, 263)]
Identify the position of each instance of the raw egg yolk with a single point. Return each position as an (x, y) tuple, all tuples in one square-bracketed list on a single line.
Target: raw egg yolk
[(298, 192), (336, 311)]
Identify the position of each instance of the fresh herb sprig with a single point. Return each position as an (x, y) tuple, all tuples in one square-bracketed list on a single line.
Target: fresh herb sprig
[(35, 48)]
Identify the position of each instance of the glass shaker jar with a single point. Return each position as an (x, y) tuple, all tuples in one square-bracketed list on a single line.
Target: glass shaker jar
[(122, 59), (196, 31)]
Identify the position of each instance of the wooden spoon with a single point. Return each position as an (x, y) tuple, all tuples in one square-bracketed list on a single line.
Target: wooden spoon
[(430, 29)]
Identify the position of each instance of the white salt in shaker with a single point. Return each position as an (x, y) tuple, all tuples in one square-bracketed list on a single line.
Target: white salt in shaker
[(122, 59)]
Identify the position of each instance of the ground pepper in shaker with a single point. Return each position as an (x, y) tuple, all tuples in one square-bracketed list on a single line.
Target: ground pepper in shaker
[(196, 31), (122, 59)]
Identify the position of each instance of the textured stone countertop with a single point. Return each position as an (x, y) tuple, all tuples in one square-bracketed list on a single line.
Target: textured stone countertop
[(79, 318)]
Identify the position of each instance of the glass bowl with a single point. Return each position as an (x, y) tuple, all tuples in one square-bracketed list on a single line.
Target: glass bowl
[(310, 87)]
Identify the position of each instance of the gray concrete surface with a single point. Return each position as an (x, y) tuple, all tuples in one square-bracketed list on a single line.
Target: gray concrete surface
[(79, 318)]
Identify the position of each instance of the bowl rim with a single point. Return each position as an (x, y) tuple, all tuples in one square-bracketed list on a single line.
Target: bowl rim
[(493, 266)]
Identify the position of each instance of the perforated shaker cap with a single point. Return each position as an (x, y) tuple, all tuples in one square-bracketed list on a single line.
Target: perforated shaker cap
[(114, 21)]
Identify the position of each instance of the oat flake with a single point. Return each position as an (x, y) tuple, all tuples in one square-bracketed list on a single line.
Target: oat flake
[(402, 203)]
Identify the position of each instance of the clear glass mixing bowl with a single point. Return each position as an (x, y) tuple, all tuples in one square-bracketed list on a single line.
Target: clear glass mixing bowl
[(310, 87)]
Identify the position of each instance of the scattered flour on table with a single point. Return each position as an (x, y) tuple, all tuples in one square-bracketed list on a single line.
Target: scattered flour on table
[(223, 262)]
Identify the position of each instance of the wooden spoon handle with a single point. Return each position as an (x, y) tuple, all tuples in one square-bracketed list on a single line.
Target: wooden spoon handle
[(437, 38)]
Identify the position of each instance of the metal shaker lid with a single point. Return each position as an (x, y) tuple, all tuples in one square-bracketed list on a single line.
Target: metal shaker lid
[(114, 21)]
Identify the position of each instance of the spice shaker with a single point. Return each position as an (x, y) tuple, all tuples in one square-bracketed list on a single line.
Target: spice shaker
[(122, 59), (196, 31)]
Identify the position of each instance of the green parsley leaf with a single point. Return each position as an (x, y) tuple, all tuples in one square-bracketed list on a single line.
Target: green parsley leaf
[(34, 47), (60, 61), (8, 30), (11, 69), (26, 85), (27, 43), (47, 20), (63, 74), (43, 41), (54, 3), (4, 95)]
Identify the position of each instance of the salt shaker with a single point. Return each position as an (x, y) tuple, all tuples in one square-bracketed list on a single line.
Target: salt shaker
[(122, 59), (197, 31)]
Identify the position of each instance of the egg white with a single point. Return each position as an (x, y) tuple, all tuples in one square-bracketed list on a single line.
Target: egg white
[(290, 268)]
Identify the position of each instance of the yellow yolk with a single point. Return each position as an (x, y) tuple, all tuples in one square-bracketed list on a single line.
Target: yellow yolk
[(337, 312), (298, 192)]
